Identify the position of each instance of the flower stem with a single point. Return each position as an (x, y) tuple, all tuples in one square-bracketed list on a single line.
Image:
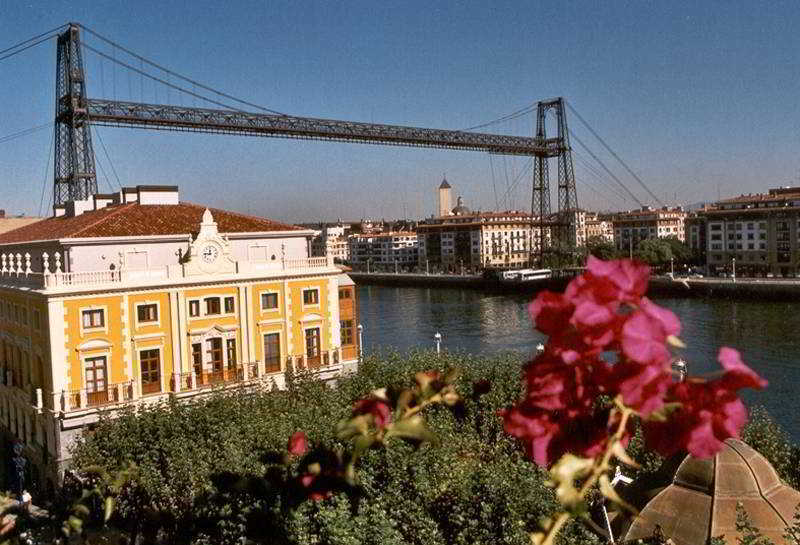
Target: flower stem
[(599, 468)]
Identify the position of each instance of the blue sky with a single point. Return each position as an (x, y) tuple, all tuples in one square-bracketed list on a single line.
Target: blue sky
[(699, 98)]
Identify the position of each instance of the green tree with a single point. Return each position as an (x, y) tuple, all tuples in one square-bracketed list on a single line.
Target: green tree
[(680, 251), (601, 248), (653, 251)]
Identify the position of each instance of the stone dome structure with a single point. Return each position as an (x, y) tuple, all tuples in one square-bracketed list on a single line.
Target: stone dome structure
[(701, 501), (460, 209)]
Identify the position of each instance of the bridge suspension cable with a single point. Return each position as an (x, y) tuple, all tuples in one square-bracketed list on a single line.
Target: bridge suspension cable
[(175, 74), (24, 132), (39, 38), (605, 168), (614, 154)]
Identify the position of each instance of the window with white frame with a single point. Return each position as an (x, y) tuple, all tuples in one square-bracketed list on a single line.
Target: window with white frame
[(147, 312), (269, 301), (311, 297), (93, 318)]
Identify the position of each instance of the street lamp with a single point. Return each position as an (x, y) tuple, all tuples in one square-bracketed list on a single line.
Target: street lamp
[(671, 267), (462, 266), (438, 339), (733, 261), (367, 265), (679, 366), (426, 267), (360, 343), (395, 266)]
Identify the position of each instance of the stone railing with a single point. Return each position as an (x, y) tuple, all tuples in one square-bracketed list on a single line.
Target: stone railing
[(240, 375), (84, 398), (16, 269)]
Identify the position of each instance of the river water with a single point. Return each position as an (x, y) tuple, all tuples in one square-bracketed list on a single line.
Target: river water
[(766, 333)]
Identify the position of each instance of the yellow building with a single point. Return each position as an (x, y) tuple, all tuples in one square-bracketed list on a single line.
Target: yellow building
[(136, 297)]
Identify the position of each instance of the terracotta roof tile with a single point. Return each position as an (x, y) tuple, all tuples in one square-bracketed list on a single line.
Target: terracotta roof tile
[(133, 219)]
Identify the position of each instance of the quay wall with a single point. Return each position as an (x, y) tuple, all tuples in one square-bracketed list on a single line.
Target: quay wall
[(660, 286)]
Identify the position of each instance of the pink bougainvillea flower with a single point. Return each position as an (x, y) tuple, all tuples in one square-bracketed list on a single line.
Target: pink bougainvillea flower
[(298, 443), (629, 278), (378, 408), (552, 385), (737, 373), (642, 386), (710, 411), (550, 312), (547, 435), (315, 490), (603, 316), (645, 333)]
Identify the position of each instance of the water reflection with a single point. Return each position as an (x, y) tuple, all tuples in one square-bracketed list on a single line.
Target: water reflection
[(485, 323)]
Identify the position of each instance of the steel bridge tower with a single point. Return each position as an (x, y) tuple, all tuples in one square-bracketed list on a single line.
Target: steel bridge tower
[(74, 156), (559, 224)]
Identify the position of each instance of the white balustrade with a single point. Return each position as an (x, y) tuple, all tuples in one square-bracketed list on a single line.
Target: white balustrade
[(14, 271)]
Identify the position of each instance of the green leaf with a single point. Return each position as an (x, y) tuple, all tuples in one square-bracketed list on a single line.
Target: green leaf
[(452, 375), (109, 509), (621, 454), (662, 414), (564, 473), (413, 428), (350, 427)]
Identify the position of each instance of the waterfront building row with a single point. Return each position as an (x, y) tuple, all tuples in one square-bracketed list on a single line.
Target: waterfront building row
[(135, 297), (759, 232)]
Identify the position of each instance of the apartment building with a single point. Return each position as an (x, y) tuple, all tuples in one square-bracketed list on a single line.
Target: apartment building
[(633, 226), (137, 297), (384, 250), (332, 241), (478, 239), (758, 231), (599, 226)]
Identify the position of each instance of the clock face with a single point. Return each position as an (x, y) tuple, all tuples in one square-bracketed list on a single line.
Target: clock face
[(209, 253)]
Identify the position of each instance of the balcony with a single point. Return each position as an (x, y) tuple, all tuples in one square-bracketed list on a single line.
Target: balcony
[(86, 399), (15, 269), (247, 374)]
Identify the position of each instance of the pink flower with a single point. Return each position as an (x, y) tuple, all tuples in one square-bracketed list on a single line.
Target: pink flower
[(298, 444), (642, 386), (378, 408), (710, 411), (645, 333), (314, 486), (628, 278), (546, 435), (550, 312)]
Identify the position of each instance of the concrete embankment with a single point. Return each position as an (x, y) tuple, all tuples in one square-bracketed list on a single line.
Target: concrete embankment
[(775, 290), (455, 281), (723, 288)]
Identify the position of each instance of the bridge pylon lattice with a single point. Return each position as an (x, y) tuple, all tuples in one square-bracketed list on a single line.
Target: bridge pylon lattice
[(558, 225), (74, 168)]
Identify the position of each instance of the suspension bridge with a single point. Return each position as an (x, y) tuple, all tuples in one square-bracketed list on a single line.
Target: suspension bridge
[(76, 112)]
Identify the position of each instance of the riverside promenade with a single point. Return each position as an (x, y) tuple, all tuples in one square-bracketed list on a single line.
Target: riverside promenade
[(743, 288)]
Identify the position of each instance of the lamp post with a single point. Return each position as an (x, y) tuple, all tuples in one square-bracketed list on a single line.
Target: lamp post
[(360, 343), (426, 267), (733, 261), (395, 266), (367, 265), (679, 366), (438, 339), (462, 266), (672, 267)]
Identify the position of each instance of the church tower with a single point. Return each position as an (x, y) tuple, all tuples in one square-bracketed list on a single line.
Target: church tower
[(444, 198)]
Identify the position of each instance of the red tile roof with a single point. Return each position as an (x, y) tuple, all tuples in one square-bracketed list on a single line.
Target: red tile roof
[(134, 219)]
